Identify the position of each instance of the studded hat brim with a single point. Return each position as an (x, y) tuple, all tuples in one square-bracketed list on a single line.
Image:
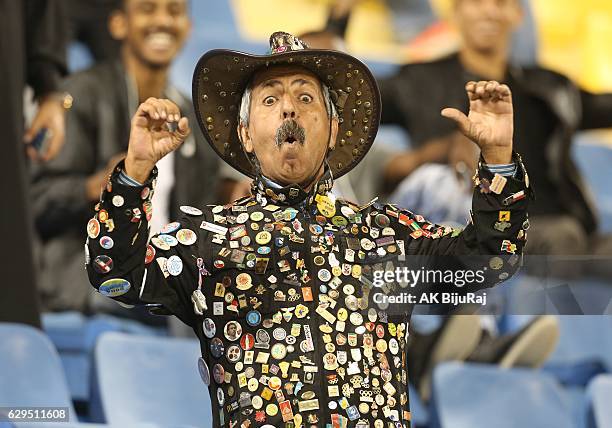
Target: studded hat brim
[(221, 76)]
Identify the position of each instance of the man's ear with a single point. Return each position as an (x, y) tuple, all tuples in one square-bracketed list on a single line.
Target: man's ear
[(334, 132), (117, 25), (245, 138)]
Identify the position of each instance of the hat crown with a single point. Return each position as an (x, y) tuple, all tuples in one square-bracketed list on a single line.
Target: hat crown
[(281, 42)]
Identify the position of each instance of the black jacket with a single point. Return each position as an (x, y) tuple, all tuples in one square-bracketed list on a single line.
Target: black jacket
[(292, 329), (415, 95)]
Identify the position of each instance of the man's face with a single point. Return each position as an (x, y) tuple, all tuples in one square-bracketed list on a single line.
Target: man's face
[(153, 30), (289, 126), (486, 25)]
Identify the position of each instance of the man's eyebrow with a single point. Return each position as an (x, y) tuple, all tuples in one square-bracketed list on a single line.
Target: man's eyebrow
[(301, 82), (274, 82), (271, 82)]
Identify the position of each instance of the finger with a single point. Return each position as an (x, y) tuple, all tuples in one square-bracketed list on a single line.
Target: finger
[(55, 145), (183, 129), (491, 87), (160, 108), (34, 129), (460, 119), (147, 109), (480, 90), (470, 88), (504, 92), (174, 113)]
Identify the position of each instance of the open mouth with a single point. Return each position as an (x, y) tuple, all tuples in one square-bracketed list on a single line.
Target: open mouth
[(290, 132), (160, 40)]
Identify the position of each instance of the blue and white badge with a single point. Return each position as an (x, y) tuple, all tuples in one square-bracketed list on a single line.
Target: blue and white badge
[(204, 371), (174, 265), (170, 227), (253, 318), (107, 242), (169, 240), (264, 250), (114, 287), (191, 210)]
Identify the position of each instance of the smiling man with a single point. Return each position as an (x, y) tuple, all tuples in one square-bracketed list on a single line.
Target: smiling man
[(278, 286), (106, 96)]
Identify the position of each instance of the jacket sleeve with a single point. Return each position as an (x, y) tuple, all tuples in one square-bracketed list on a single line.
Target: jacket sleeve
[(596, 110), (46, 39), (494, 238), (131, 270), (59, 186)]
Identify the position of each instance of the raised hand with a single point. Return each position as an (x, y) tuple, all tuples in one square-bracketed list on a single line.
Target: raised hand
[(490, 120), (152, 136)]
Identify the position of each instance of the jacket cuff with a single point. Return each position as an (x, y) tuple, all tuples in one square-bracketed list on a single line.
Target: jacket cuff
[(508, 190)]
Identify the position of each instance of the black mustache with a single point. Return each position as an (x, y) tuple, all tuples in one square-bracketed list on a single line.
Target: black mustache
[(290, 129)]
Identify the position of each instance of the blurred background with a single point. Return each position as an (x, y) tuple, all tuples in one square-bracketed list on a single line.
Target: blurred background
[(62, 346)]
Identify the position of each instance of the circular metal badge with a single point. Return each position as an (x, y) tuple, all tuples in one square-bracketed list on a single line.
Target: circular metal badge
[(103, 264), (233, 353), (278, 351), (204, 372), (209, 328), (253, 318), (107, 242), (216, 347), (218, 373), (186, 236), (170, 227), (190, 210), (174, 265), (93, 228), (114, 287), (232, 330)]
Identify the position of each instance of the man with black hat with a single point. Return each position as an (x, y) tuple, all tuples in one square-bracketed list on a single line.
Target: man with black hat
[(278, 286)]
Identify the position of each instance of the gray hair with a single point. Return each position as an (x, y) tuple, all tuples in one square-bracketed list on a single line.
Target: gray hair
[(245, 104)]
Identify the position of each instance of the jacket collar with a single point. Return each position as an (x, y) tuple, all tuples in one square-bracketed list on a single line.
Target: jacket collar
[(266, 190)]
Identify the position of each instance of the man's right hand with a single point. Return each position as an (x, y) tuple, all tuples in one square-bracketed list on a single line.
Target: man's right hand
[(150, 138)]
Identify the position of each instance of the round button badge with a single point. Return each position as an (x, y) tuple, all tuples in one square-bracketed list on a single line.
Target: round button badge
[(107, 242), (103, 264), (209, 328), (174, 265)]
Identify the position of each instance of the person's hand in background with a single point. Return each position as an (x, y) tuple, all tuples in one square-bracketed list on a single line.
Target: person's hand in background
[(50, 116)]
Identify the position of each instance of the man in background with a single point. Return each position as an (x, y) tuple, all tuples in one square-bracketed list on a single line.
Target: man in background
[(152, 32), (550, 110)]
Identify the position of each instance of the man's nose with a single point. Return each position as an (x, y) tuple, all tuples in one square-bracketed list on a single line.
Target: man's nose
[(289, 110), (163, 18)]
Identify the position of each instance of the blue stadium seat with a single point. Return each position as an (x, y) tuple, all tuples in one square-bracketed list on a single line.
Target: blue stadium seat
[(475, 396), (584, 338), (599, 410), (148, 380), (419, 416), (75, 335), (593, 157), (30, 370)]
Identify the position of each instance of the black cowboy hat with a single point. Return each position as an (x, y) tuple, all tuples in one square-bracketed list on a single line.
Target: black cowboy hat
[(221, 76)]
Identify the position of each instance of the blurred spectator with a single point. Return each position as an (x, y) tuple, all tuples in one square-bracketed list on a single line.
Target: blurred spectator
[(549, 109), (33, 50), (106, 96), (442, 192), (88, 24)]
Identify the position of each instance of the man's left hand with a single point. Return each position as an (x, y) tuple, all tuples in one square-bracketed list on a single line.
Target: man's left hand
[(51, 115), (490, 120)]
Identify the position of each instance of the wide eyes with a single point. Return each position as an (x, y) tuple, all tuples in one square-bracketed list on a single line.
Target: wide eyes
[(305, 98)]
